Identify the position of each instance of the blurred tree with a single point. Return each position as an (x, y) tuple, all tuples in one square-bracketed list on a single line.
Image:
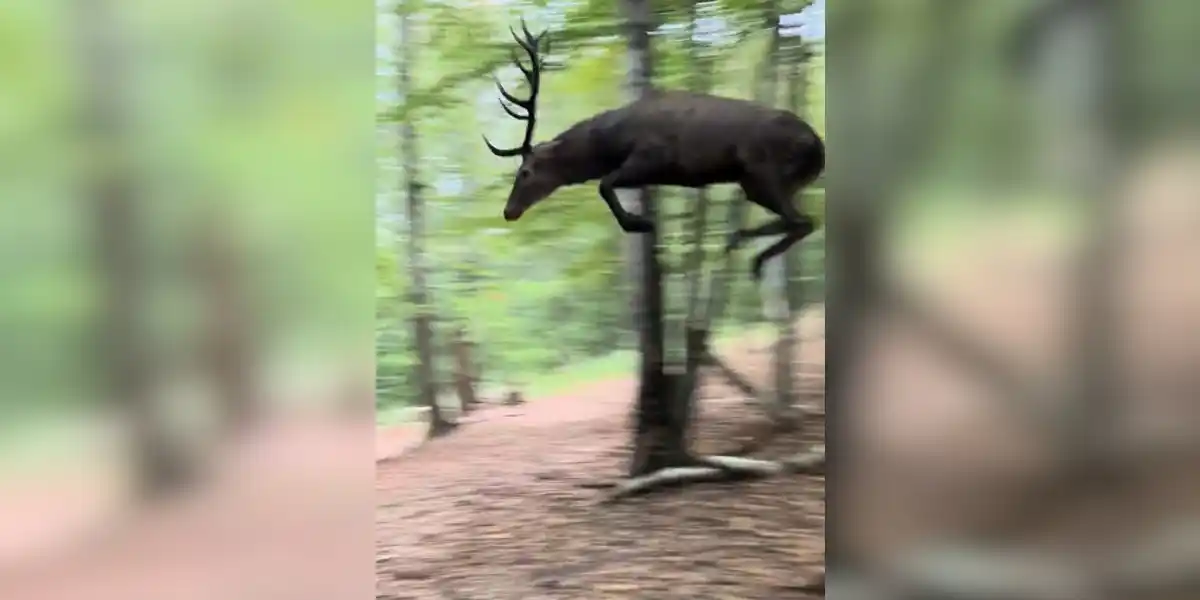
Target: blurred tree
[(659, 432), (131, 370), (422, 310), (228, 351)]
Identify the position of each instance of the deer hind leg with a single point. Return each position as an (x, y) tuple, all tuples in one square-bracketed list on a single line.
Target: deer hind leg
[(767, 192), (789, 239)]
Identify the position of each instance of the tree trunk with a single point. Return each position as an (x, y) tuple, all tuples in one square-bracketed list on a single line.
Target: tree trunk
[(227, 350), (665, 400), (661, 418), (464, 370), (900, 135), (777, 299), (1089, 112), (162, 464), (422, 319)]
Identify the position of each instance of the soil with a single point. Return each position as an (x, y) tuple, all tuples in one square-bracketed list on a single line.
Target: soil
[(500, 509), (496, 511)]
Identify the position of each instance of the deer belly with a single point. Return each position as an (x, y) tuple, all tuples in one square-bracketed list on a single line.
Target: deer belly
[(698, 177)]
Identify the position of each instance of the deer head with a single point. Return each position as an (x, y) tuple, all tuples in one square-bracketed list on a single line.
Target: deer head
[(534, 181)]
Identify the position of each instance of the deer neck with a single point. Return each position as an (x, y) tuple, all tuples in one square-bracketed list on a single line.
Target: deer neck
[(577, 162)]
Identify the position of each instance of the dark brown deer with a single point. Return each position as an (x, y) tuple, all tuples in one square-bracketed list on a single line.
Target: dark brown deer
[(669, 138)]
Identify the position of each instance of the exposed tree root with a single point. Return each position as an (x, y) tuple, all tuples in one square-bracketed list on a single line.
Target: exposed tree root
[(718, 469), (596, 485)]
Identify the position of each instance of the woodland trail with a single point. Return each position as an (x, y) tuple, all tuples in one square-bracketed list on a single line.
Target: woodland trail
[(496, 509)]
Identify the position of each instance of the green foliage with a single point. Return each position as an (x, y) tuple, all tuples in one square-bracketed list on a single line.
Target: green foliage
[(550, 291)]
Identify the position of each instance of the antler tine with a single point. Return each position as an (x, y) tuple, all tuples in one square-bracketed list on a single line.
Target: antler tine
[(525, 104), (531, 44), (533, 72), (533, 40), (512, 113), (502, 153), (517, 61)]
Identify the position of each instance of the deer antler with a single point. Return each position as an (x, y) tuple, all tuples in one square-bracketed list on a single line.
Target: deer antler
[(533, 74)]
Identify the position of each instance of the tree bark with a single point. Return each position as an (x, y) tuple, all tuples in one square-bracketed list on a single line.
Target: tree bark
[(418, 295), (777, 300), (1098, 396), (661, 455), (125, 345), (892, 138), (464, 370), (227, 350), (792, 294), (659, 432)]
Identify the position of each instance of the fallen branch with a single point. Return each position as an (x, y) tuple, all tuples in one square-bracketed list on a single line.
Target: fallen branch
[(596, 485), (719, 469), (733, 377)]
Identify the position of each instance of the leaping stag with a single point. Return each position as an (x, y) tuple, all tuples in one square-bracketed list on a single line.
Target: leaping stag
[(669, 138)]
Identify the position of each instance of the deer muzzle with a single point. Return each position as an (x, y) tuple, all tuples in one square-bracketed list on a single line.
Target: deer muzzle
[(512, 213)]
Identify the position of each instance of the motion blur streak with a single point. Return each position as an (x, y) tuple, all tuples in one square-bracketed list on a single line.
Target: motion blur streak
[(1030, 381), (187, 309)]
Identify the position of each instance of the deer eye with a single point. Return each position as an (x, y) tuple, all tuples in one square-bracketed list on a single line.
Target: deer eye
[(523, 174)]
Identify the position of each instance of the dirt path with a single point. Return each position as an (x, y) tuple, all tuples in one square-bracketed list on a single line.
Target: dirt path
[(495, 510)]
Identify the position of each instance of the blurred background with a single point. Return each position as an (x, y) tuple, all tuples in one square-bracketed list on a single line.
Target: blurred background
[(190, 253), (1013, 226), (186, 306)]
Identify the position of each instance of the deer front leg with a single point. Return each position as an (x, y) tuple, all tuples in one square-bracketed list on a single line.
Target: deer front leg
[(629, 222), (634, 173)]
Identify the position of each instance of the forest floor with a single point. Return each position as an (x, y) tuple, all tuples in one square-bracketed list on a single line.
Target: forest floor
[(496, 510)]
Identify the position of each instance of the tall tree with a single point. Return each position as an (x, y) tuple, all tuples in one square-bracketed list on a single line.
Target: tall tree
[(162, 463), (665, 400), (418, 292), (465, 372), (658, 439), (227, 351), (777, 300)]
